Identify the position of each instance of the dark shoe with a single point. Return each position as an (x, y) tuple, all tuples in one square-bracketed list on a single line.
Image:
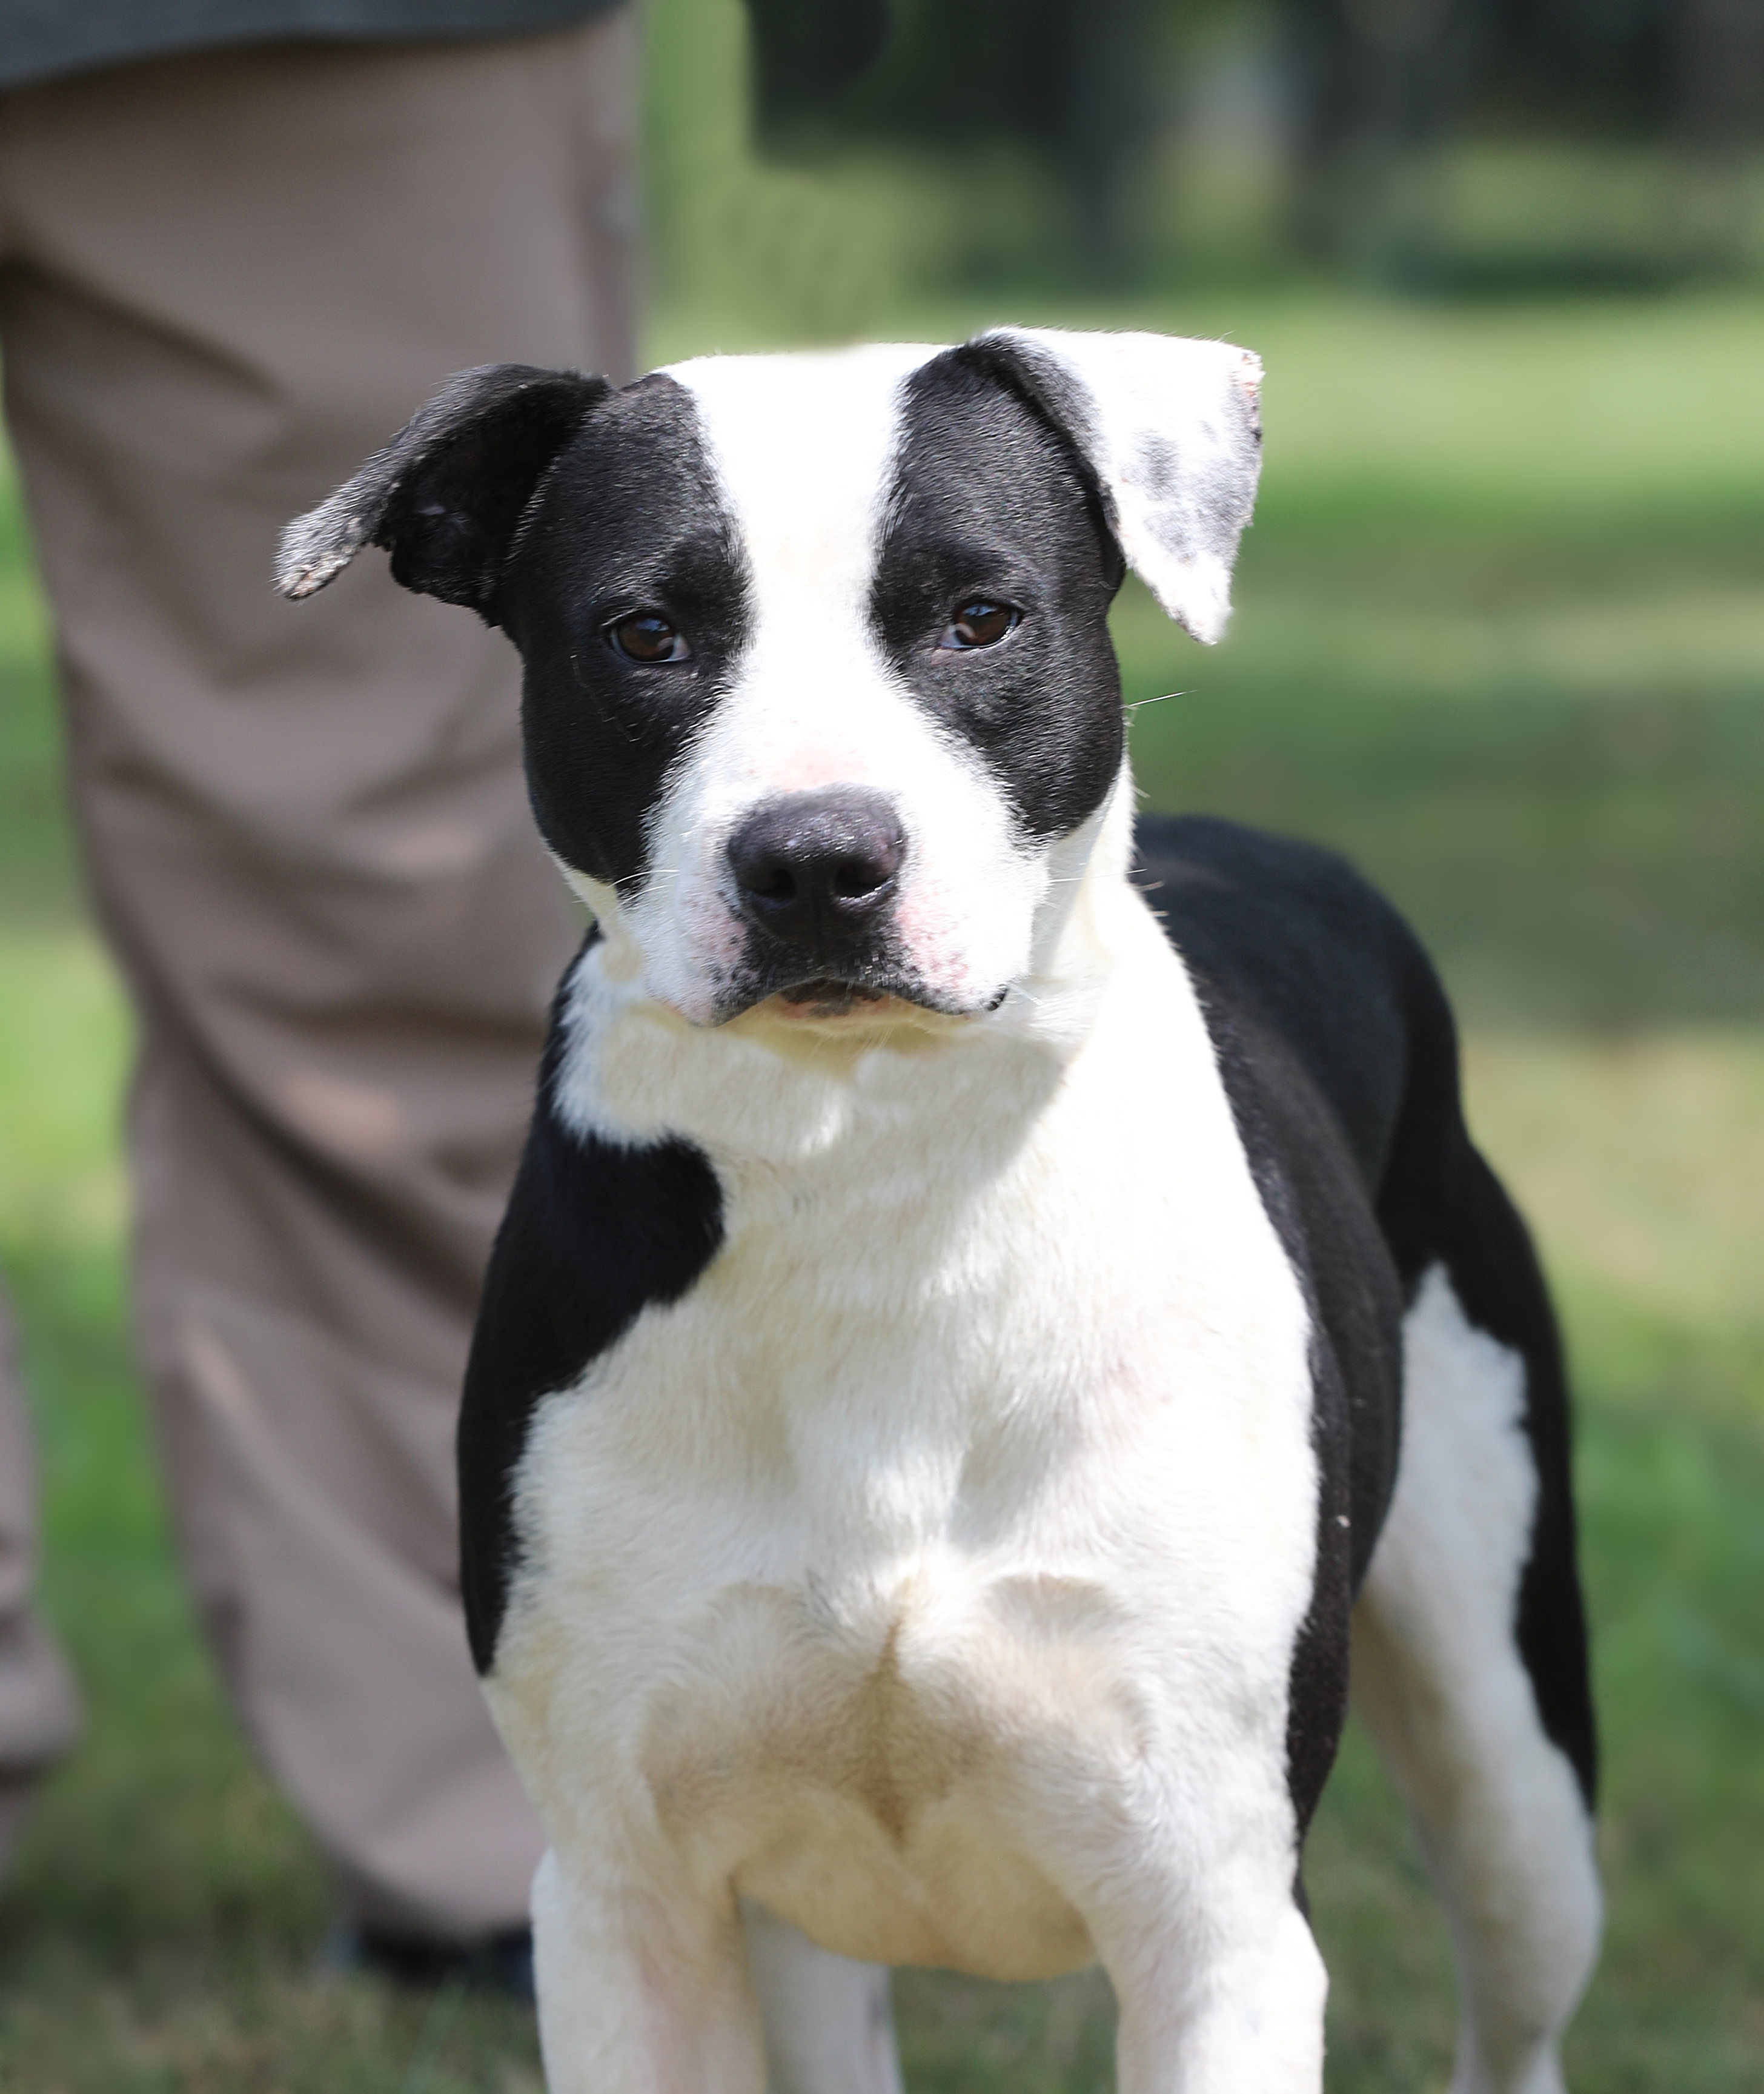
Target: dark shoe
[(501, 1964), (18, 1793)]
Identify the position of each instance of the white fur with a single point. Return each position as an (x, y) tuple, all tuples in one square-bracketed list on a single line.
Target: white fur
[(1439, 1679), (1165, 431), (930, 1573)]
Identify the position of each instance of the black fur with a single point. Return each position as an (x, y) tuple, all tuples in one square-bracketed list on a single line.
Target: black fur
[(1340, 1054), (445, 497), (990, 499), (594, 1233), (629, 519), (553, 506), (1441, 1201)]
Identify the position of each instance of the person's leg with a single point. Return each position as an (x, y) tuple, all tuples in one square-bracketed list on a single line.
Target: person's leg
[(234, 276), (39, 1709)]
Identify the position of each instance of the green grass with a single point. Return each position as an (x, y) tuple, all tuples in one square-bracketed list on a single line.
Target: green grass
[(1501, 636)]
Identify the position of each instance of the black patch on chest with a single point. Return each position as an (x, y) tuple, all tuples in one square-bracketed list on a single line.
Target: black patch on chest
[(990, 499), (629, 519), (595, 1233)]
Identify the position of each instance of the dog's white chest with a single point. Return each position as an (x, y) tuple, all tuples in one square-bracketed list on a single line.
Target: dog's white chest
[(860, 1769), (960, 1490)]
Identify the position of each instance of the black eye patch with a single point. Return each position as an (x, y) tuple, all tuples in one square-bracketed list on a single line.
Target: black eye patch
[(630, 601), (992, 536)]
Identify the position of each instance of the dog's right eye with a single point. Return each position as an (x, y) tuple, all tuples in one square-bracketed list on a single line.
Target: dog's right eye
[(649, 637), (979, 622)]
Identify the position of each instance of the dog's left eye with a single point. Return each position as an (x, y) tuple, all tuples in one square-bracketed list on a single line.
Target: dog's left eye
[(647, 636), (979, 622)]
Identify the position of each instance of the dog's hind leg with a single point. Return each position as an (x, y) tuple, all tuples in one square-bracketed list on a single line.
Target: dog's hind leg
[(1470, 1660), (829, 2022)]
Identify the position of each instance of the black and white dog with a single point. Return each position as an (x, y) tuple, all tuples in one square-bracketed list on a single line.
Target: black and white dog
[(994, 1299)]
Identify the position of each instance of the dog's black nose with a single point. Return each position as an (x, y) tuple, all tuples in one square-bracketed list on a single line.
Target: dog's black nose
[(816, 869)]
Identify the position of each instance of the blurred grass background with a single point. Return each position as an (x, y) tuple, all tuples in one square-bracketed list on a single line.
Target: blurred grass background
[(1500, 636)]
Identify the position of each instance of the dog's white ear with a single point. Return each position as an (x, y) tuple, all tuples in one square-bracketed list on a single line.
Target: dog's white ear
[(1172, 430), (446, 495)]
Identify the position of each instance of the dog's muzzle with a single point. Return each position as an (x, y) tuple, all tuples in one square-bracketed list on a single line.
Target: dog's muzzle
[(816, 876)]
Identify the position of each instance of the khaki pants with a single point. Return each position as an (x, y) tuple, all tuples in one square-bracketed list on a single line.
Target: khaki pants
[(224, 281)]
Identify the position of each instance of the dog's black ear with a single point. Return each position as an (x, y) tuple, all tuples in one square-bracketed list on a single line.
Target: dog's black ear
[(446, 495), (1171, 431)]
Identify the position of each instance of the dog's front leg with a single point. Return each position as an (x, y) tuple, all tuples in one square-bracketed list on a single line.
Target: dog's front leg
[(640, 1992), (1221, 2003), (1219, 1982)]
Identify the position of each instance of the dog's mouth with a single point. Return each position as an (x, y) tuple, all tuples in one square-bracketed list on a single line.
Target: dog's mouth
[(874, 990), (831, 999), (870, 983), (873, 996), (827, 996)]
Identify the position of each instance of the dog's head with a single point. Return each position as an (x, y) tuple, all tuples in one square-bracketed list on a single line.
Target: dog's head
[(819, 697)]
